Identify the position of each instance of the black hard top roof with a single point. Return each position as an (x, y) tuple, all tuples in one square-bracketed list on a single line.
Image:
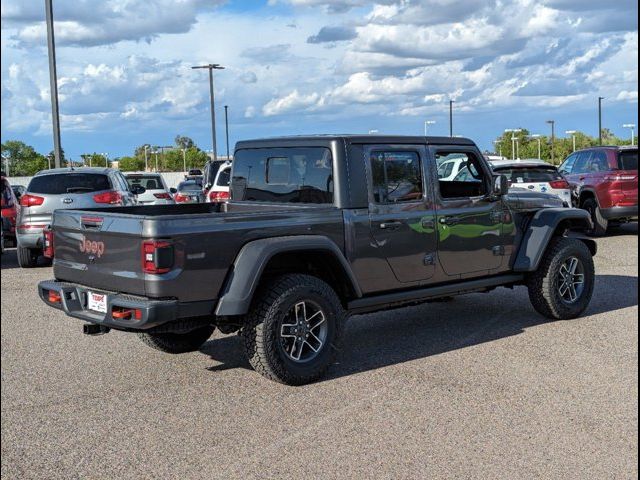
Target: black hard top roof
[(352, 138)]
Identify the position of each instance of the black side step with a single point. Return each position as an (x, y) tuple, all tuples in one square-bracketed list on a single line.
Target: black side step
[(365, 304)]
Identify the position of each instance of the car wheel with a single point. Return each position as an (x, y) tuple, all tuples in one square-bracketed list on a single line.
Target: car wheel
[(27, 257), (600, 224), (294, 329), (562, 286), (177, 342)]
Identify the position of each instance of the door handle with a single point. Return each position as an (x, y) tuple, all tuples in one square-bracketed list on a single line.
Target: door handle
[(449, 220), (392, 225)]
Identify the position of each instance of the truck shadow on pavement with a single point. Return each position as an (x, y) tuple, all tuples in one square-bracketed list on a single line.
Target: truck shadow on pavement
[(391, 337)]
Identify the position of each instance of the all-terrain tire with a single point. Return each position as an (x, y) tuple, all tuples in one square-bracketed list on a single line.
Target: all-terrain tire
[(177, 342), (543, 283), (262, 327), (600, 224), (27, 257)]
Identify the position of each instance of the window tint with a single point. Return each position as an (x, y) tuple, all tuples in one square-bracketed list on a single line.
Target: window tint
[(60, 183), (567, 166), (298, 175), (396, 176), (189, 187), (599, 162), (122, 182), (628, 160), (449, 164), (470, 181), (211, 170), (149, 182), (224, 178), (582, 163), (529, 174)]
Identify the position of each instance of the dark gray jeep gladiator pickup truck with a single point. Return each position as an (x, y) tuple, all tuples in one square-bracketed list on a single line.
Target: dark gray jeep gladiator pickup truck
[(318, 228)]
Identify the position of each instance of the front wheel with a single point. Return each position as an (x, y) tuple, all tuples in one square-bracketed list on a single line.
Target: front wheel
[(562, 286), (177, 342), (293, 331)]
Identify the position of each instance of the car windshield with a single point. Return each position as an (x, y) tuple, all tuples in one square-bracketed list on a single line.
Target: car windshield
[(628, 160), (149, 182), (60, 183), (189, 187), (529, 174)]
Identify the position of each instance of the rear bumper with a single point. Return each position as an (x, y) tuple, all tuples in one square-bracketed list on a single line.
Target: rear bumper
[(154, 312), (32, 239), (620, 212)]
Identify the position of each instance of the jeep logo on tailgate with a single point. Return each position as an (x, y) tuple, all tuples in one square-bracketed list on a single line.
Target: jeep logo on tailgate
[(91, 247)]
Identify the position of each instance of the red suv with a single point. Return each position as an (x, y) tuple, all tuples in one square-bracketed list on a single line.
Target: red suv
[(604, 181)]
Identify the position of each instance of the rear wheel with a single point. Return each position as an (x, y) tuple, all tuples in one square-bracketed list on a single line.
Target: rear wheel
[(27, 257), (294, 329), (177, 342), (562, 286), (600, 224)]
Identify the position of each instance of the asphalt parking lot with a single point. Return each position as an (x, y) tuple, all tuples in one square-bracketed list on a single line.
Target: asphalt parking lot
[(478, 387)]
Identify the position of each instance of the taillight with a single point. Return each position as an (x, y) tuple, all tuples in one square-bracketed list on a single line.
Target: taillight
[(28, 200), (163, 195), (47, 251), (219, 196), (559, 184), (111, 197), (157, 256), (180, 198), (54, 297)]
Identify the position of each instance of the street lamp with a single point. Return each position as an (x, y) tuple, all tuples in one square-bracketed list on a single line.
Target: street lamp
[(211, 67), (553, 139), (53, 83), (106, 159), (451, 102), (426, 124), (632, 126), (514, 140), (6, 158), (226, 127), (537, 136), (184, 159), (573, 137)]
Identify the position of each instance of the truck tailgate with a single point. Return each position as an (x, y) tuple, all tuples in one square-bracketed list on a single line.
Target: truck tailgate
[(101, 250)]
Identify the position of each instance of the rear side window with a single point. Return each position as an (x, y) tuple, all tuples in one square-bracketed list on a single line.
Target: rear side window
[(628, 160), (58, 184), (149, 182), (396, 176), (529, 175), (211, 170), (288, 175), (224, 178)]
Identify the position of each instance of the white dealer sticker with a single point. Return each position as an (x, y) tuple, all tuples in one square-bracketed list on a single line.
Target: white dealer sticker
[(97, 302)]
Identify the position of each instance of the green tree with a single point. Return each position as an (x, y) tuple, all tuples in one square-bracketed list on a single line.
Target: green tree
[(22, 158), (130, 164), (184, 142)]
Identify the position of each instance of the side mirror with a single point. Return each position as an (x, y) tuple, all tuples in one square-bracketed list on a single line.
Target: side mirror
[(500, 185), (137, 189), (173, 190)]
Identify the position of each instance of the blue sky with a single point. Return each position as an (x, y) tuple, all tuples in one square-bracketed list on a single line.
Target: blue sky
[(315, 66)]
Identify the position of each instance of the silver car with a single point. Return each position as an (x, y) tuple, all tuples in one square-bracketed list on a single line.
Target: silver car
[(60, 188), (156, 191)]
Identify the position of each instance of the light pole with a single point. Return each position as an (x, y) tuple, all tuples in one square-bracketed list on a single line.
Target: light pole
[(226, 127), (537, 137), (600, 120), (632, 126), (426, 124), (451, 102), (514, 139), (573, 137), (106, 159), (211, 67), (184, 159), (146, 161), (53, 82), (6, 158), (553, 139)]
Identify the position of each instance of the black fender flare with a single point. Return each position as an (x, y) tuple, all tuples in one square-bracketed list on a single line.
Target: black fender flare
[(540, 230), (243, 279)]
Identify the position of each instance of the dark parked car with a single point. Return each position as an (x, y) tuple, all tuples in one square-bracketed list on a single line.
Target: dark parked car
[(318, 228), (604, 181)]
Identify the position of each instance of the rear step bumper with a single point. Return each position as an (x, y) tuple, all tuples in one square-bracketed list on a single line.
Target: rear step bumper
[(131, 312)]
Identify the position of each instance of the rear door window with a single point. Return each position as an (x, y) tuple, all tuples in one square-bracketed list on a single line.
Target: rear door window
[(396, 176), (628, 160), (582, 162), (567, 166), (58, 184)]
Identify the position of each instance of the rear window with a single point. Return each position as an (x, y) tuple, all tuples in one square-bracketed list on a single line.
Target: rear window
[(57, 184), (224, 178), (628, 160), (149, 182), (288, 175), (529, 175), (189, 187)]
